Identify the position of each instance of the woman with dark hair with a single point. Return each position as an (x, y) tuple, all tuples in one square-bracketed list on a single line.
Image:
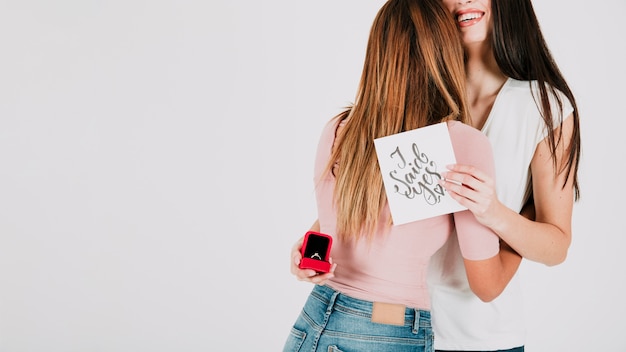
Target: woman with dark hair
[(376, 298), (521, 101)]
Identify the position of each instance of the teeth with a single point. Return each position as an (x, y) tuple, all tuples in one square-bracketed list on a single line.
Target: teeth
[(468, 16)]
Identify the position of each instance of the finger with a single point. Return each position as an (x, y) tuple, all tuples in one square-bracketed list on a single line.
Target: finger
[(457, 191), (296, 246), (468, 204), (461, 179), (468, 169), (305, 274), (482, 184), (453, 189), (296, 258), (296, 255), (316, 277), (332, 268), (321, 279)]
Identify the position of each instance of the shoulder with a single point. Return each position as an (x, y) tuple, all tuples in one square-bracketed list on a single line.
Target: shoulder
[(328, 136), (329, 131), (519, 92), (529, 92), (335, 124)]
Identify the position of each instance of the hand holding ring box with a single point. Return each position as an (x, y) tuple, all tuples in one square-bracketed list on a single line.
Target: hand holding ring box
[(316, 252)]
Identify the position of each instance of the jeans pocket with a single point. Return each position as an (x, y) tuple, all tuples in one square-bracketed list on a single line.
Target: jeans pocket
[(294, 341)]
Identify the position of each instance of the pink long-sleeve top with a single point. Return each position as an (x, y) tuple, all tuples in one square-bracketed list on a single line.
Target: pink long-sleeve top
[(392, 266)]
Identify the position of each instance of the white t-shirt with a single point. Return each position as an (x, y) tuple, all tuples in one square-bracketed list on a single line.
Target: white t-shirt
[(461, 321)]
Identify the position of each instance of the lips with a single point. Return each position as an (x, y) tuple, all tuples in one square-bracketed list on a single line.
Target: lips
[(468, 18)]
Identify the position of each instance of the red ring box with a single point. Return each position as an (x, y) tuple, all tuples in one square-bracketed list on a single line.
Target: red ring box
[(316, 252)]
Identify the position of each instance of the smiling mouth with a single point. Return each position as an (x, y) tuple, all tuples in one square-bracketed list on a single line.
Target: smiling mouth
[(470, 16)]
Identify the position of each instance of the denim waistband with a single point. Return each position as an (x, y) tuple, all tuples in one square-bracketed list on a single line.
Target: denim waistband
[(412, 316)]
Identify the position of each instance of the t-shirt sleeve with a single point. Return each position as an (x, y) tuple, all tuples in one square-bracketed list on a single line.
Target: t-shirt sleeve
[(560, 107), (324, 149), (471, 147)]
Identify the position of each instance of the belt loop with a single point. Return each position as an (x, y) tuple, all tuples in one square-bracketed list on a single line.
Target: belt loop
[(416, 321), (331, 305), (329, 310)]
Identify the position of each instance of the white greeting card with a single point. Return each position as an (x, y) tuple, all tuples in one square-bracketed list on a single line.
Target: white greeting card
[(411, 163)]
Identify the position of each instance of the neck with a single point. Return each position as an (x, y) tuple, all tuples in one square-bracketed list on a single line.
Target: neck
[(483, 73), (484, 81)]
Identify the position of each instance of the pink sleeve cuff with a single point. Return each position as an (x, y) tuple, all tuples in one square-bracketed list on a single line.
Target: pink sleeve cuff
[(472, 147), (477, 242)]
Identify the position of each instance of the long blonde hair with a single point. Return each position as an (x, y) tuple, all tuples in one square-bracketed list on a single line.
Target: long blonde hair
[(413, 76)]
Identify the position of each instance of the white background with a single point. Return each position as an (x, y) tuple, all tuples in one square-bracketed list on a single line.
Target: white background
[(156, 161)]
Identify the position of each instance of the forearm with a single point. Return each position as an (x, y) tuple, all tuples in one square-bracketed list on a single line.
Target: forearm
[(316, 226), (534, 240), (488, 278), (546, 239)]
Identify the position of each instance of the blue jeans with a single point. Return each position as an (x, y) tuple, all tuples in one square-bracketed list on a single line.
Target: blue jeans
[(333, 322), (516, 349)]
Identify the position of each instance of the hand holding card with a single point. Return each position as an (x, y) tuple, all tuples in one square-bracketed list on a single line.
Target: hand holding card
[(411, 164)]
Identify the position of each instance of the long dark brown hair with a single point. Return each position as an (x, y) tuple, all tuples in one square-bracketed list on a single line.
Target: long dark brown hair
[(522, 53), (413, 76)]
